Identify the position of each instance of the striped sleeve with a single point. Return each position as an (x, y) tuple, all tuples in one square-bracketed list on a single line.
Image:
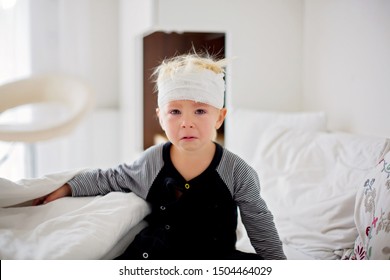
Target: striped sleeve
[(136, 177), (243, 183)]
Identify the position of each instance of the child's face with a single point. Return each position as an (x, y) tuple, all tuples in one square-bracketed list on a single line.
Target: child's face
[(190, 125)]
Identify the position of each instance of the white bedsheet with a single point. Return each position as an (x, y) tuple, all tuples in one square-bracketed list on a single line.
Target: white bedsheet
[(68, 228)]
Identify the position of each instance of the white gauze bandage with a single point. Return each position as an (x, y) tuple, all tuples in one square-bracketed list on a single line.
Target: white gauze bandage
[(204, 86)]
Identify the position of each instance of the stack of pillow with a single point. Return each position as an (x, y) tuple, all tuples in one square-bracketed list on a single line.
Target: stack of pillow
[(329, 192)]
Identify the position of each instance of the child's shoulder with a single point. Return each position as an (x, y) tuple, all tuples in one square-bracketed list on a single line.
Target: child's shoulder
[(231, 156), (155, 148), (153, 153), (236, 172), (232, 160)]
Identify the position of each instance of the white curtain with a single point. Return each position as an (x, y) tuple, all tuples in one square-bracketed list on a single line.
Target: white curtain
[(14, 39), (76, 37), (15, 63)]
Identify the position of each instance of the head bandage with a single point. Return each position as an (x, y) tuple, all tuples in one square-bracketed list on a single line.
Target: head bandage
[(204, 86)]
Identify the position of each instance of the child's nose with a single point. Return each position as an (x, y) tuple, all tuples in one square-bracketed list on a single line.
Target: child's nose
[(187, 122)]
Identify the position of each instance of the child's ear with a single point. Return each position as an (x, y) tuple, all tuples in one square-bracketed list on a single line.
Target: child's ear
[(221, 118), (159, 119)]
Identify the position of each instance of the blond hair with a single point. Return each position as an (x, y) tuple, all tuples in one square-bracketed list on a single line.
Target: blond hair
[(188, 63)]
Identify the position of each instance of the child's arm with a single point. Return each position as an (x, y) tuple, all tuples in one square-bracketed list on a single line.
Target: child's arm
[(257, 218), (62, 191), (136, 177)]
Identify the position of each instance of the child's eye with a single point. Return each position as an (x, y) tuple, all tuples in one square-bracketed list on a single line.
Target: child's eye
[(200, 112), (174, 112)]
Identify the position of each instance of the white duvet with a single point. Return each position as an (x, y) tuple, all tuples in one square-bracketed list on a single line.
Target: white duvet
[(69, 228)]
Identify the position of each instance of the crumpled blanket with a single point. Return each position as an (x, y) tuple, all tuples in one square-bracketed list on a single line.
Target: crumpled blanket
[(98, 227)]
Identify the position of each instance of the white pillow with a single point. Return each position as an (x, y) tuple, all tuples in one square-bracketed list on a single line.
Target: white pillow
[(309, 180), (372, 214), (245, 127)]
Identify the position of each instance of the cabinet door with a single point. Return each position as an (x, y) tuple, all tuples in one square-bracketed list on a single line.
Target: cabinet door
[(160, 45)]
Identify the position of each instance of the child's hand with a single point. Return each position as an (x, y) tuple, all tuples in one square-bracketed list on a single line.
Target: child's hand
[(62, 191)]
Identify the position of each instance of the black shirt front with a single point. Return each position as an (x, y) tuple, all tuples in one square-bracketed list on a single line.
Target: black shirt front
[(189, 219)]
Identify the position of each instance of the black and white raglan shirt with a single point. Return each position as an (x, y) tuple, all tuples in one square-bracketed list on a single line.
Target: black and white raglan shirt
[(194, 219)]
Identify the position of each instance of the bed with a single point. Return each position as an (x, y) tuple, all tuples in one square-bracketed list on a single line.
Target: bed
[(69, 228), (329, 193)]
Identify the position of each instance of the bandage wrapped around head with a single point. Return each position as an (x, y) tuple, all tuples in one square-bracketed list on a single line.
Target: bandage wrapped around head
[(191, 82)]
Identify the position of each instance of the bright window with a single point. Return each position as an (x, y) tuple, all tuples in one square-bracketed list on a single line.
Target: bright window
[(15, 63)]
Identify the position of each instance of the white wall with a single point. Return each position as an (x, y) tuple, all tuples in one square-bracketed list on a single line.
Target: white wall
[(292, 55), (101, 41), (93, 144), (347, 63), (136, 19), (80, 38), (264, 36)]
